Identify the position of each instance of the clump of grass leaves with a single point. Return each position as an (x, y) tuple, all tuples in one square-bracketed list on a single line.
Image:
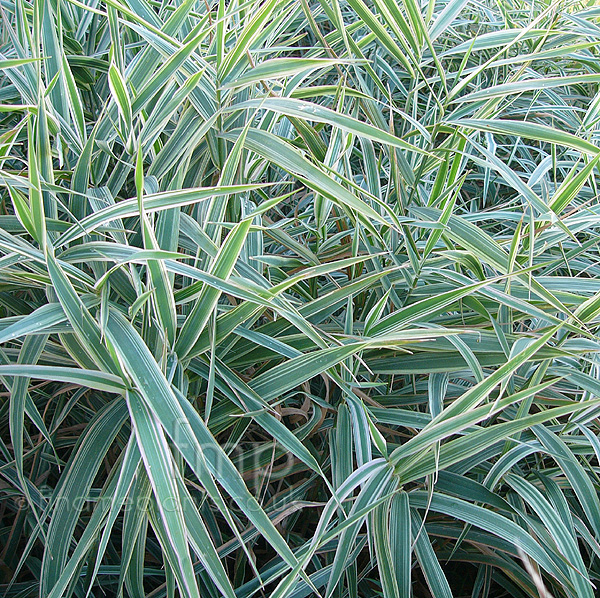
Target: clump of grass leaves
[(299, 298)]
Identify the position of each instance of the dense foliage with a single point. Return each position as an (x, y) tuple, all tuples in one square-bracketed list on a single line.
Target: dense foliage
[(299, 298)]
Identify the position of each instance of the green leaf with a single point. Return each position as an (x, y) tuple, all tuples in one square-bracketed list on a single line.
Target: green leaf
[(160, 468), (532, 131), (120, 94), (314, 112)]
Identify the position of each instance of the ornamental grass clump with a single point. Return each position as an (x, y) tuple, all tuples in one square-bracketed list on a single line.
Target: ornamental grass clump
[(299, 299)]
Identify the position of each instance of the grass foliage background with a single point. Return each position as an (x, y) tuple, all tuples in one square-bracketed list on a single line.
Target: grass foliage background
[(299, 298)]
